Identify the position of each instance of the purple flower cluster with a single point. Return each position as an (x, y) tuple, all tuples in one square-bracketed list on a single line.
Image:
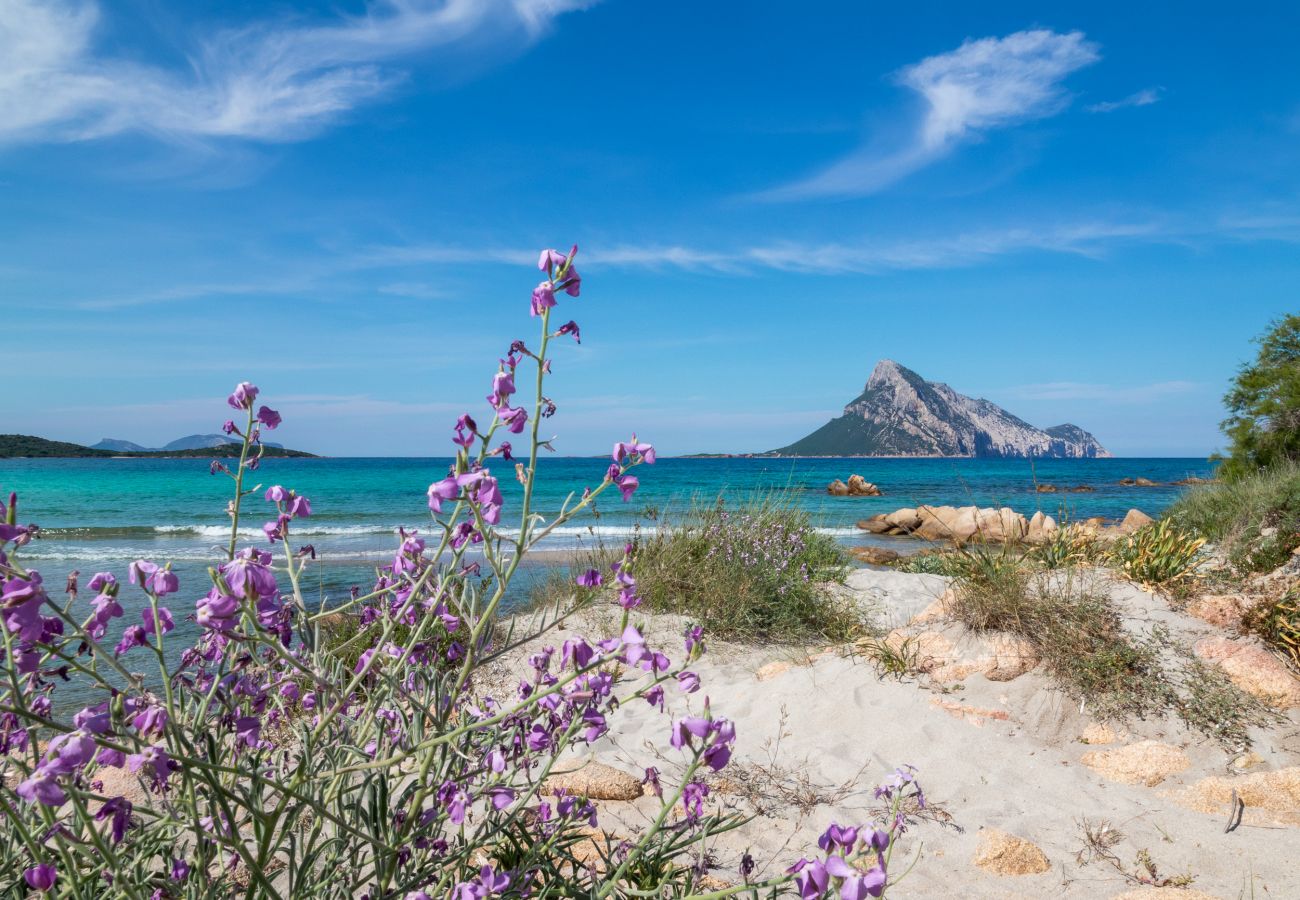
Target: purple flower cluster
[(378, 744)]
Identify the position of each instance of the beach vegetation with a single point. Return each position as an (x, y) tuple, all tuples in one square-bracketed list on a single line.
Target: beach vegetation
[(1253, 519), (1277, 622), (1160, 556), (355, 749), (1081, 638), (1066, 547), (753, 569)]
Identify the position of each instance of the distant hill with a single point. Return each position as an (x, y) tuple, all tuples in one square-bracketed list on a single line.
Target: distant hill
[(116, 446), (899, 413), (28, 446), (189, 442)]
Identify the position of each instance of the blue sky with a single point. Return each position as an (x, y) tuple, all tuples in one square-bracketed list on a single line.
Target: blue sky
[(1082, 212)]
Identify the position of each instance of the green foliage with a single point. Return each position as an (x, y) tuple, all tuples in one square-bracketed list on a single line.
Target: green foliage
[(1066, 547), (947, 563), (1254, 519), (1162, 555), (754, 570), (1263, 403)]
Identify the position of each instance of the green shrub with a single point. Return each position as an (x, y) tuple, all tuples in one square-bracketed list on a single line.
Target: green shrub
[(1162, 555), (1264, 404), (755, 570), (1255, 519)]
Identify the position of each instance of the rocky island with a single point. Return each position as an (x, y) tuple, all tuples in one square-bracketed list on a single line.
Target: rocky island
[(899, 413)]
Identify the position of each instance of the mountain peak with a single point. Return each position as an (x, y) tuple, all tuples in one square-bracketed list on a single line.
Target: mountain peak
[(899, 413), (887, 371)]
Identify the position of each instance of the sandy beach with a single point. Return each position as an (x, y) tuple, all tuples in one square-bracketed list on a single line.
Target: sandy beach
[(1015, 773)]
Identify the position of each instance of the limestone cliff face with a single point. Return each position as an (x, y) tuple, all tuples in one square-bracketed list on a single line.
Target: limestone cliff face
[(899, 413)]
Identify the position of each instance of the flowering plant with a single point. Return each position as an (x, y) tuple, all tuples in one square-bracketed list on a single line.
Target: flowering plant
[(265, 760)]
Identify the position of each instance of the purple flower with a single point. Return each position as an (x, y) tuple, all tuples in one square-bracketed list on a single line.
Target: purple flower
[(693, 799), (811, 879), (627, 485), (689, 682), (543, 298), (466, 429), (164, 619), (513, 419), (150, 721), (503, 385), (41, 788), (268, 417), (590, 579), (132, 637), (501, 797), (243, 396), (277, 494), (229, 426), (551, 259), (625, 449), (249, 574), (154, 763), (140, 571), (101, 580), (41, 877), (838, 838), (300, 507), (164, 582), (856, 885), (570, 327), (180, 870), (119, 808), (442, 491)]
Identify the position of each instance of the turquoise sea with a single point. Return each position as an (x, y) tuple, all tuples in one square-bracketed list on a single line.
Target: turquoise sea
[(100, 514)]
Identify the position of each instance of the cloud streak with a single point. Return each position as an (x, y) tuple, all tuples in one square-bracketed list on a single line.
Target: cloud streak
[(267, 81), (1109, 393), (1144, 97), (983, 85)]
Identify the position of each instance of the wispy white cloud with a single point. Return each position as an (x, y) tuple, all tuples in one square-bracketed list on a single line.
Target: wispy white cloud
[(1144, 97), (1109, 393), (409, 270), (982, 85), (267, 81), (415, 290)]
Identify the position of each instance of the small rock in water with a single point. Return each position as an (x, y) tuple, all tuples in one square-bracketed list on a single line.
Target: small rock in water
[(874, 556)]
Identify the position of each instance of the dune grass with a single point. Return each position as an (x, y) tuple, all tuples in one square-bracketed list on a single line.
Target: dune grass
[(1255, 519), (1080, 637), (754, 570), (750, 569)]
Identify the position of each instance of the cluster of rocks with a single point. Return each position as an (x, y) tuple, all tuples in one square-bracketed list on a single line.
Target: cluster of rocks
[(857, 487), (1147, 482), (964, 524), (1077, 489)]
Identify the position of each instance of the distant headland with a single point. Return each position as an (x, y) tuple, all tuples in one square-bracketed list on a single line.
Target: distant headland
[(26, 446)]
